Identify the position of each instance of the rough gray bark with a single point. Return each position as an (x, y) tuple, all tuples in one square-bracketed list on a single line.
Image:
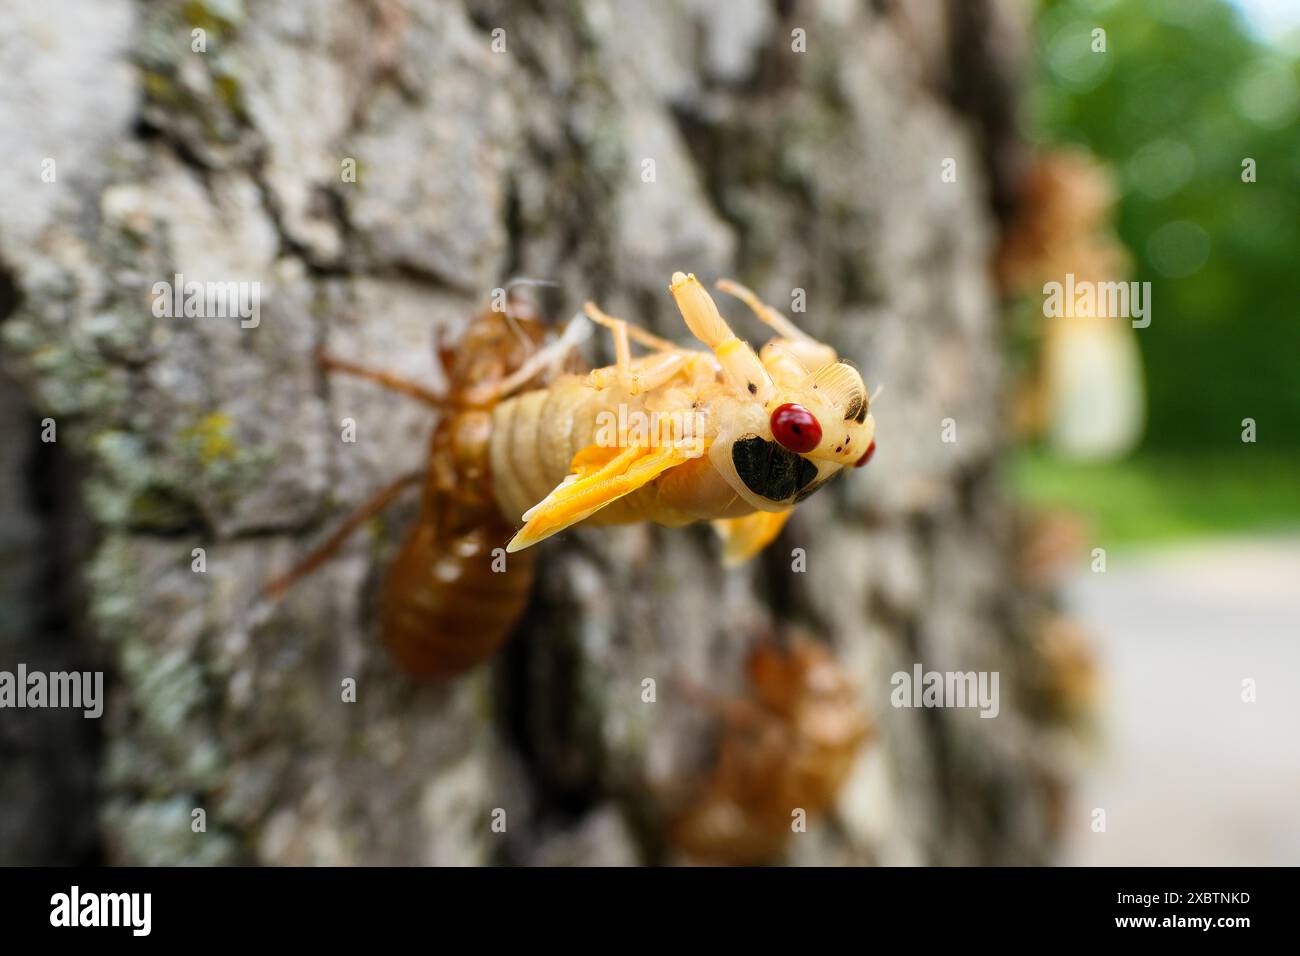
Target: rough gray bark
[(817, 170)]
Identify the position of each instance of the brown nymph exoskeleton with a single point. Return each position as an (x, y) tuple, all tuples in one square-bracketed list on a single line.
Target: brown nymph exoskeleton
[(783, 751), (678, 435)]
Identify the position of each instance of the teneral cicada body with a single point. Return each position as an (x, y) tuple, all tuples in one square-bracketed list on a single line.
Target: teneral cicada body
[(678, 435), (682, 435)]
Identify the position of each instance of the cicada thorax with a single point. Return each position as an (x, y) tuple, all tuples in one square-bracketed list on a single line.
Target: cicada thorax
[(451, 597)]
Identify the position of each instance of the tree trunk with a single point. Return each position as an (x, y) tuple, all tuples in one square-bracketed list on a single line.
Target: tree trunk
[(802, 148)]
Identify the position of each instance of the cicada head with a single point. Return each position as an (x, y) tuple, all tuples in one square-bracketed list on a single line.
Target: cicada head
[(777, 453), (836, 399)]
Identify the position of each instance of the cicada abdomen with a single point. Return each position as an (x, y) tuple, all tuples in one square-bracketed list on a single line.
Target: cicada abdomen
[(450, 597), (444, 609)]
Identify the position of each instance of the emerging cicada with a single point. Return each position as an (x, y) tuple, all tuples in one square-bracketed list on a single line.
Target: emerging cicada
[(674, 436), (767, 431)]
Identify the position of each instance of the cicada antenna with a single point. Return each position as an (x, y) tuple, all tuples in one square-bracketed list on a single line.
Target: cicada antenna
[(511, 318)]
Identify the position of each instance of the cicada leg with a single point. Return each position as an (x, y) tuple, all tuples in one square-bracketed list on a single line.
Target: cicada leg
[(765, 313), (809, 352), (634, 332), (549, 357), (641, 375), (394, 383), (743, 538), (377, 503)]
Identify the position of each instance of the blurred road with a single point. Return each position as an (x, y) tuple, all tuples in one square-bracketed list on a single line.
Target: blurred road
[(1186, 771)]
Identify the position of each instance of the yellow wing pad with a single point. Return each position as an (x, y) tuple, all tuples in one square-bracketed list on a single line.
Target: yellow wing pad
[(599, 476), (742, 538)]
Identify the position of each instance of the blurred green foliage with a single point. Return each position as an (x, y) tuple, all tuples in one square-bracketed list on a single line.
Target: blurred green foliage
[(1184, 93), (1163, 496)]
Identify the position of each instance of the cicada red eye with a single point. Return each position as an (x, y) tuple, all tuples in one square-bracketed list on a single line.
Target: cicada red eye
[(866, 455), (796, 428)]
